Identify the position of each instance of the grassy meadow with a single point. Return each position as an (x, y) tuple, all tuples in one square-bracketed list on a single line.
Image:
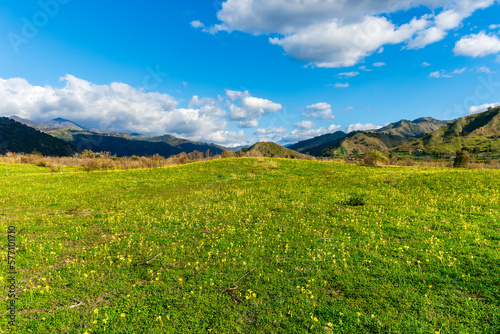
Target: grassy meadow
[(253, 245)]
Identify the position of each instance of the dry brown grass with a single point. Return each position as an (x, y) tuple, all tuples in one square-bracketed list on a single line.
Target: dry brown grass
[(90, 161)]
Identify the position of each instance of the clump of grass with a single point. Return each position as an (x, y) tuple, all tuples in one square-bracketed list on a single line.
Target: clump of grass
[(356, 200)]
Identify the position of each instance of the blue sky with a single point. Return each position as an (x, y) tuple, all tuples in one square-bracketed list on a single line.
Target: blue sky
[(235, 72)]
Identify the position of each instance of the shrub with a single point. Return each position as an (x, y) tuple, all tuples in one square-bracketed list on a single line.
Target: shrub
[(462, 159), (375, 158)]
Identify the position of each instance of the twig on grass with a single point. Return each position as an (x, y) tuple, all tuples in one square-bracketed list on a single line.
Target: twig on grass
[(76, 300), (151, 260), (234, 286)]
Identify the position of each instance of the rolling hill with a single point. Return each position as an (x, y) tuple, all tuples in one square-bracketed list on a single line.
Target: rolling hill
[(478, 133), (16, 137), (271, 150)]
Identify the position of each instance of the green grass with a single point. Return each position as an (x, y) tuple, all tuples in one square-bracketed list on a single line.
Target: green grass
[(420, 256)]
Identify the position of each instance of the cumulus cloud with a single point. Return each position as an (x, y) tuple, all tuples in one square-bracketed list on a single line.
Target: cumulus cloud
[(329, 33), (248, 109), (362, 127), (270, 134), (477, 45), (305, 125), (483, 107), (320, 111), (119, 107), (305, 130), (425, 64), (379, 64)]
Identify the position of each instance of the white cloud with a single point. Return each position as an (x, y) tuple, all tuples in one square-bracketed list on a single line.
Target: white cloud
[(321, 111), (227, 138), (118, 107), (379, 64), (270, 134), (332, 44), (234, 95), (444, 74), (485, 70), (211, 30), (439, 74), (478, 45), (498, 59), (425, 64), (197, 24), (459, 71), (330, 33), (363, 68), (305, 125), (362, 127), (483, 107), (348, 74), (248, 109), (304, 130), (494, 26), (208, 105), (340, 85)]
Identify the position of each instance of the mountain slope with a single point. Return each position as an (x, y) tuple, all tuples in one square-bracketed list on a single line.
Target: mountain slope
[(384, 139), (271, 150), (415, 128), (120, 144), (478, 132), (316, 145), (19, 138), (56, 123)]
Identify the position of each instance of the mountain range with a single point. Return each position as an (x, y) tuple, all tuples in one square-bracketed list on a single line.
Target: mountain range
[(477, 133), (118, 143)]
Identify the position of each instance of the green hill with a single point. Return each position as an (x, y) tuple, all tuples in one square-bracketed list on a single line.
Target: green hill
[(476, 133), (19, 138), (271, 150)]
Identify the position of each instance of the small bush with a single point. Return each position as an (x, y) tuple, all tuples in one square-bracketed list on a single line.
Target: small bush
[(356, 200), (375, 158), (462, 159)]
